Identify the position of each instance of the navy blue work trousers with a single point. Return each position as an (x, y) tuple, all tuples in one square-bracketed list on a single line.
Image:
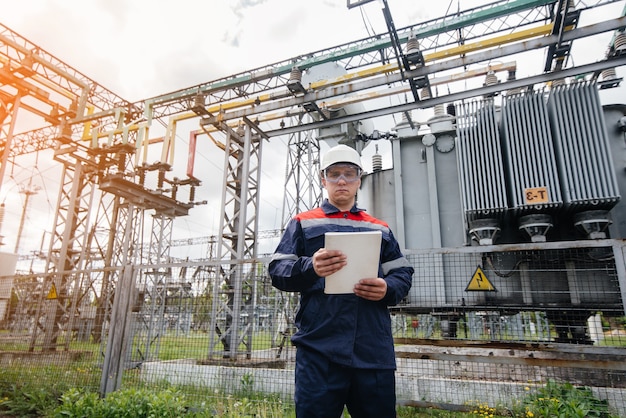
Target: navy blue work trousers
[(324, 387)]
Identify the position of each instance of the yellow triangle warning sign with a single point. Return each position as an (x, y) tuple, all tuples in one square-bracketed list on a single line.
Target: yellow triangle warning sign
[(52, 294), (480, 282)]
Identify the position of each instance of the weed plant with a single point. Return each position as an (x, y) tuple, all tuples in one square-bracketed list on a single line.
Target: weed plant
[(564, 400)]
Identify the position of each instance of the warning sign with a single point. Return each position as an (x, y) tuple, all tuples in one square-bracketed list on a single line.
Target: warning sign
[(52, 294), (480, 282)]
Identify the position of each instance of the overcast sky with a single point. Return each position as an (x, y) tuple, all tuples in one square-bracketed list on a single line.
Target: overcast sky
[(143, 48)]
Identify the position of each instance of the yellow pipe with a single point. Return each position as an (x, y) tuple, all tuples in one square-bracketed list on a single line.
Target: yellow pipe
[(167, 150), (458, 50), (372, 95), (138, 146), (42, 80), (329, 103), (491, 42), (87, 134), (172, 148), (216, 109), (507, 66), (215, 141), (433, 82), (64, 92), (118, 131), (387, 68), (145, 144), (46, 83)]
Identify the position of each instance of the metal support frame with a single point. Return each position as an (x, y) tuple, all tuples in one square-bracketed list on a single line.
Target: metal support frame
[(8, 115), (619, 250), (396, 156), (404, 63), (233, 292), (66, 258), (150, 322), (107, 214), (303, 187), (303, 191), (565, 19)]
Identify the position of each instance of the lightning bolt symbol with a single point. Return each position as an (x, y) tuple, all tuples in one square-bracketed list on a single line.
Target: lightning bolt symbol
[(479, 279)]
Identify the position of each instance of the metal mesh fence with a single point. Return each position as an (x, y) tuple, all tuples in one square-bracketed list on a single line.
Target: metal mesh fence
[(481, 324)]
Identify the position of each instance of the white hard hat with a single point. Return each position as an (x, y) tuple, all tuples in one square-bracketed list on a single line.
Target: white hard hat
[(340, 154)]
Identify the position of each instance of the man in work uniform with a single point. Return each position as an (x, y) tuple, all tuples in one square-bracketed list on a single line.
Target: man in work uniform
[(345, 354)]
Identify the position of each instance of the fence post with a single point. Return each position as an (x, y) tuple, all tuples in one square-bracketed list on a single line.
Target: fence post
[(620, 266), (119, 332)]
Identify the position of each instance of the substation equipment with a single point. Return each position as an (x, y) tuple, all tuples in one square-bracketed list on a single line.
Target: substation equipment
[(515, 184)]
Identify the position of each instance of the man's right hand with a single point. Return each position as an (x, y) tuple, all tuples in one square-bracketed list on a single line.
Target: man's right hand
[(327, 262)]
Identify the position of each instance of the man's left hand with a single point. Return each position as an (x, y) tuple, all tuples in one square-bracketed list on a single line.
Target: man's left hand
[(371, 289)]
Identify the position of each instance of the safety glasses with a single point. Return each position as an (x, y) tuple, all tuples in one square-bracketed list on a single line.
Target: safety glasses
[(348, 173)]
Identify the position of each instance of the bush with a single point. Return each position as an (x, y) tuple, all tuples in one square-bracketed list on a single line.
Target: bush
[(27, 401), (76, 403), (564, 400), (130, 403)]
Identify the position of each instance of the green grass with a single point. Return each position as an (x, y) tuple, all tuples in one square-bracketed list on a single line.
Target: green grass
[(613, 341)]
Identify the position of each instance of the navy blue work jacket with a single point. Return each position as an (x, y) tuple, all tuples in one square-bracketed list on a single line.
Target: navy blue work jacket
[(349, 330)]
